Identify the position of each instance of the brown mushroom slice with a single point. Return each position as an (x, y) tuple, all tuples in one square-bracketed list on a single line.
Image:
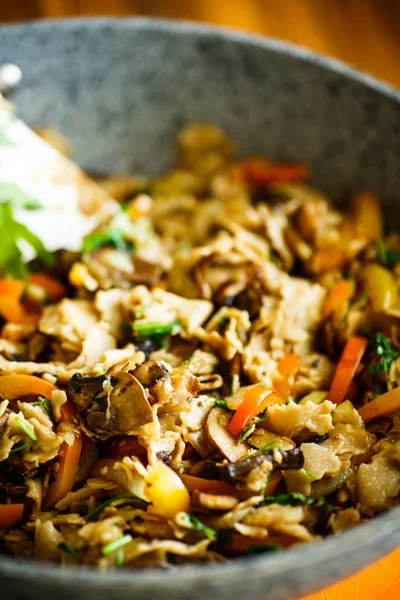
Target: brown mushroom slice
[(128, 405), (216, 428), (210, 382), (261, 438), (240, 295), (288, 459), (215, 502), (82, 390), (200, 442), (149, 372)]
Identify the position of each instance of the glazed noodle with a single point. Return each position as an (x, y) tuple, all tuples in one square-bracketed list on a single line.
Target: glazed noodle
[(215, 374)]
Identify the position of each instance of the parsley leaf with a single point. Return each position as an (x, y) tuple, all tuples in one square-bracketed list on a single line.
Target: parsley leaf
[(114, 236), (12, 233), (385, 353)]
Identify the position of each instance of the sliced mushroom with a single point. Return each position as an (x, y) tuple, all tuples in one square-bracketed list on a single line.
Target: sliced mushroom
[(216, 427), (128, 405), (291, 459), (213, 501), (328, 485), (261, 438), (112, 267), (241, 296), (200, 442), (149, 372), (82, 391), (211, 382)]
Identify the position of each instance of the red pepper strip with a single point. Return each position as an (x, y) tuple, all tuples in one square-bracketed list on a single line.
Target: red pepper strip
[(51, 286), (10, 515), (68, 463), (347, 367), (288, 367), (254, 402)]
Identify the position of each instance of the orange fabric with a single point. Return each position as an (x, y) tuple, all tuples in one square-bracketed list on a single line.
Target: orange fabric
[(381, 581)]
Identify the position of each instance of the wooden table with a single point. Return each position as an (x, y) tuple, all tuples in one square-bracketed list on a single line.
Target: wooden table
[(364, 33)]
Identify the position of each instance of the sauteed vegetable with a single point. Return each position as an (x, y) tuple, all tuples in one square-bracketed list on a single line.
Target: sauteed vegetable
[(215, 374)]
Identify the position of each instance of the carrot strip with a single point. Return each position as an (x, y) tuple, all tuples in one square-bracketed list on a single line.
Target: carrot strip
[(273, 483), (330, 259), (381, 406), (254, 401), (140, 206), (288, 367), (128, 447), (10, 514), (347, 367), (258, 170), (16, 385), (337, 298)]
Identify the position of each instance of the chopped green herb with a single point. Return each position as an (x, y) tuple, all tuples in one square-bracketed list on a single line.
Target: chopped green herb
[(223, 322), (262, 548), (12, 234), (116, 544), (273, 257), (266, 448), (114, 236), (221, 403), (99, 509), (385, 353), (29, 432), (199, 526), (45, 405), (20, 448), (381, 252), (120, 559), (67, 548), (379, 390), (158, 331), (32, 205), (310, 475), (293, 499), (388, 257), (245, 431)]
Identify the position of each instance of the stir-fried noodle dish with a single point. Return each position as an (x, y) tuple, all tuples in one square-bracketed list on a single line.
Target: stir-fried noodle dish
[(214, 374)]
